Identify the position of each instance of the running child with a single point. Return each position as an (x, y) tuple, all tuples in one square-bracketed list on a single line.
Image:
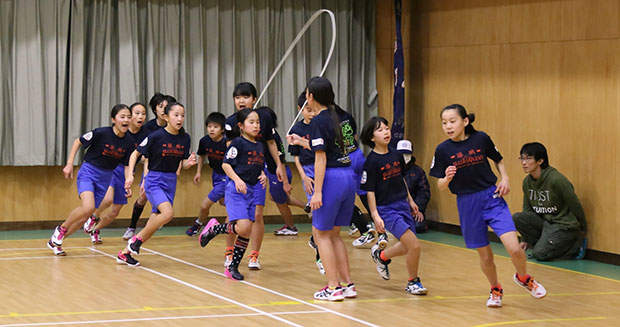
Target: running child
[(158, 105), (243, 164), (106, 148), (166, 150), (213, 147), (461, 164), (115, 197), (390, 203)]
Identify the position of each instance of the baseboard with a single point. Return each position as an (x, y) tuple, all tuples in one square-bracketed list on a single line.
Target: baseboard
[(124, 222), (594, 255)]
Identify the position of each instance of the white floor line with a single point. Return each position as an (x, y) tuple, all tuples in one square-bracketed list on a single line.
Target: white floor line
[(266, 289), (155, 318), (44, 248), (53, 257), (207, 292)]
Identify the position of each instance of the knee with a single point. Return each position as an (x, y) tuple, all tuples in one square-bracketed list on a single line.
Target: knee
[(166, 216)]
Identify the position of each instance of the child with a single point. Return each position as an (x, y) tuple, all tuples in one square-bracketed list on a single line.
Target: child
[(243, 164), (461, 164), (390, 203), (417, 183), (107, 147), (213, 146), (334, 177), (166, 150), (115, 196), (158, 105)]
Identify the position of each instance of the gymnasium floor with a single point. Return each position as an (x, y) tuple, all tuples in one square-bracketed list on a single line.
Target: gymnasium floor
[(182, 284)]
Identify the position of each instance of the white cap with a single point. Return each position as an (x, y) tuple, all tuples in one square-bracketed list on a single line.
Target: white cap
[(404, 146)]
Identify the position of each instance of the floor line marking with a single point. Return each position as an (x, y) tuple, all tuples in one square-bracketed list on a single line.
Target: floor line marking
[(158, 318), (207, 292), (266, 289), (516, 322)]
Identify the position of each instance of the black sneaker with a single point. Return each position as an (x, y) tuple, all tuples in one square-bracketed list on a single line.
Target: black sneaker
[(134, 245), (126, 258), (233, 273), (307, 208), (207, 233), (192, 231)]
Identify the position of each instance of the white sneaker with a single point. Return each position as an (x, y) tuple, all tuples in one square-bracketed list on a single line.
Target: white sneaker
[(495, 299), (319, 264), (382, 267), (59, 235), (533, 287), (366, 238), (228, 259), (254, 263), (352, 230), (56, 249), (286, 231), (349, 291), (90, 223), (129, 233), (415, 287), (329, 295), (94, 237)]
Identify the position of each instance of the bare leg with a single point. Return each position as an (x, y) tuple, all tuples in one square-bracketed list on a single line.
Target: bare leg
[(488, 265)]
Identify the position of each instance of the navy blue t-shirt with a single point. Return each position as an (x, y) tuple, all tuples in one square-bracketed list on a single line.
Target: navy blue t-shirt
[(151, 126), (271, 164), (384, 174), (323, 137), (247, 159), (306, 157), (230, 128), (214, 150), (140, 136), (473, 172), (348, 128), (105, 149), (164, 150)]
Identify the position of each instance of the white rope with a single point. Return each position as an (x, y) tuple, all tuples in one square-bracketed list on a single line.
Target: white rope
[(290, 49)]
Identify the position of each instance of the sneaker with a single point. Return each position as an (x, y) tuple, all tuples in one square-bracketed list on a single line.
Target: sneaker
[(366, 238), (311, 243), (383, 240), (352, 230), (495, 298), (95, 238), (126, 258), (228, 258), (254, 263), (415, 287), (134, 244), (207, 233), (56, 249), (329, 295), (319, 264), (349, 291), (307, 208), (582, 249), (129, 233), (382, 266), (192, 231), (533, 287), (233, 273), (59, 234), (286, 231), (90, 224)]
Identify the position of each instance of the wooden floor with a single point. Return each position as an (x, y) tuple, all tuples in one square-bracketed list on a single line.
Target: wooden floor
[(182, 284)]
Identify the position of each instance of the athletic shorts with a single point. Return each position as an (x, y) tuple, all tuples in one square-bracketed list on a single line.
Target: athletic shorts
[(240, 206), (397, 217), (338, 199), (160, 187), (94, 179)]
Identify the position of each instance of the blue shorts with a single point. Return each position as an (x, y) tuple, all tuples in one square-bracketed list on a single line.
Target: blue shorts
[(118, 184), (260, 193), (93, 179), (239, 206), (479, 210), (219, 186), (338, 199), (397, 217), (276, 188), (309, 171), (357, 164), (160, 187)]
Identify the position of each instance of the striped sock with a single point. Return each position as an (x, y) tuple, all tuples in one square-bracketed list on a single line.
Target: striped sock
[(241, 244), (225, 228)]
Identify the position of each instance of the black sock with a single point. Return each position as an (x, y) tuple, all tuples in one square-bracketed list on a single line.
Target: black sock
[(225, 228), (358, 220), (241, 244), (135, 215)]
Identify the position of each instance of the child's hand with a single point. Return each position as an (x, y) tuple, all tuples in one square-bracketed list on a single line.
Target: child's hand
[(68, 171), (128, 192), (414, 207), (128, 182), (142, 191), (262, 179), (503, 187), (316, 201), (241, 187), (379, 225), (309, 185), (293, 139), (419, 217), (191, 160), (450, 172), (197, 178)]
